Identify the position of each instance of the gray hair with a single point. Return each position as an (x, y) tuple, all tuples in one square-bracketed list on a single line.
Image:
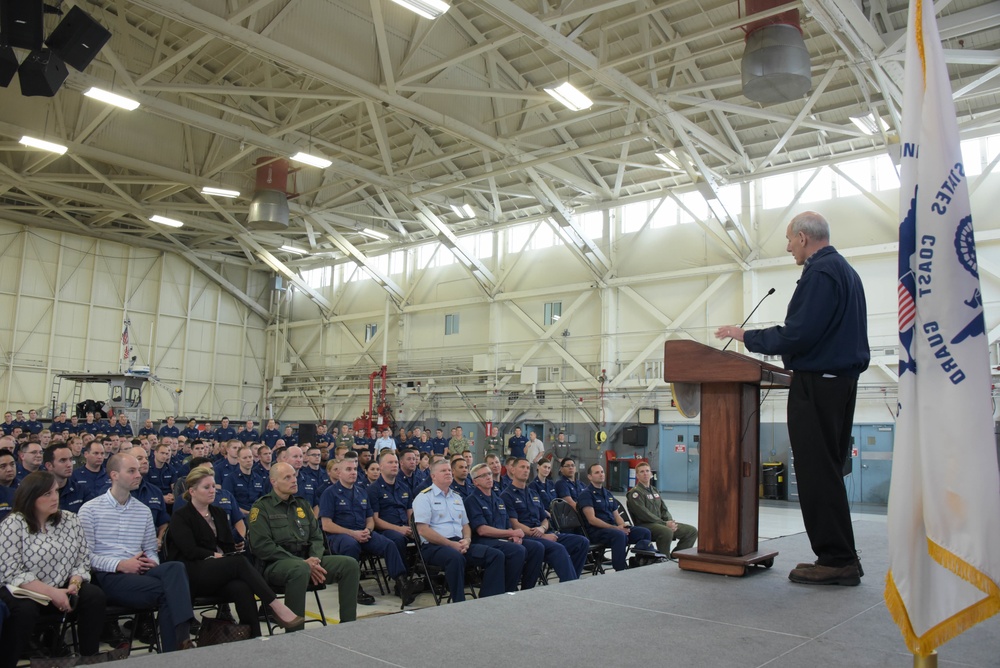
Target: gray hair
[(812, 225)]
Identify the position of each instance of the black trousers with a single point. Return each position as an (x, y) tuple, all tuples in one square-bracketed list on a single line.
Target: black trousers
[(234, 579), (25, 613), (820, 417)]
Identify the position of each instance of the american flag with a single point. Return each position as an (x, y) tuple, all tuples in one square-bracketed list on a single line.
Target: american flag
[(907, 308), (127, 349)]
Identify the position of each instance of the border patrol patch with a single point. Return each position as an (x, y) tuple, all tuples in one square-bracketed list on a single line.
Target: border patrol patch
[(300, 513), (254, 512)]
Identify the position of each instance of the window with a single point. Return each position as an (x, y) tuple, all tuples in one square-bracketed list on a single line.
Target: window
[(517, 237), (592, 224), (972, 156), (317, 278), (370, 331), (553, 311), (451, 324)]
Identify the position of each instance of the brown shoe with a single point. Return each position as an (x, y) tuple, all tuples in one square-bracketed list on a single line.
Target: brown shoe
[(861, 571), (827, 575)]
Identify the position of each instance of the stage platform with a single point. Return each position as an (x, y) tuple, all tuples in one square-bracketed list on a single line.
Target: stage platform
[(653, 616)]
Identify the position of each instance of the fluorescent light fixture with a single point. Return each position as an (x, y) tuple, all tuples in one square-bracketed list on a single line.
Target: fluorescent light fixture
[(42, 144), (163, 220), (293, 249), (220, 192), (869, 123), (112, 98), (373, 233), (463, 210), (312, 160), (669, 158), (570, 97), (429, 9)]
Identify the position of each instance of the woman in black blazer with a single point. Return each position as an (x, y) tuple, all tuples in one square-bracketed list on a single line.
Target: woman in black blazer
[(200, 537)]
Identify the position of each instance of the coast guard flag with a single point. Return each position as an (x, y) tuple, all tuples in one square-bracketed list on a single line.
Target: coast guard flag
[(944, 503)]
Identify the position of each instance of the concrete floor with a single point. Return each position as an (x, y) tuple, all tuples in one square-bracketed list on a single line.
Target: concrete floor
[(654, 616)]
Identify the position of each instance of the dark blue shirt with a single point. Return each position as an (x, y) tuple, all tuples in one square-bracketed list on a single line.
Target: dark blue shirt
[(246, 488), (168, 431), (307, 486), (122, 429), (566, 487), (525, 506), (347, 508), (152, 498), (6, 501), (517, 444), (546, 490), (191, 433), (71, 497), (21, 473), (486, 511), (147, 431), (95, 428), (439, 445), (826, 326), (224, 434), (58, 427), (390, 501), (74, 428), (463, 490), (223, 469), (291, 440), (249, 436), (91, 483), (601, 501), (270, 436), (7, 428), (417, 482), (33, 426), (162, 478)]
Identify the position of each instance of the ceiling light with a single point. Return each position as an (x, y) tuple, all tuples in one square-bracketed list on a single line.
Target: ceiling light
[(429, 9), (293, 249), (312, 160), (570, 97), (373, 233), (868, 124), (463, 210), (669, 158), (163, 220), (112, 98), (220, 192), (44, 145)]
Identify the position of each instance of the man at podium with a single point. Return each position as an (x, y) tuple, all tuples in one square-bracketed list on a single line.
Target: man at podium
[(824, 340)]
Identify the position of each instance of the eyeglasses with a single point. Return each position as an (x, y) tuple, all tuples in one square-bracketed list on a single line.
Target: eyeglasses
[(484, 474)]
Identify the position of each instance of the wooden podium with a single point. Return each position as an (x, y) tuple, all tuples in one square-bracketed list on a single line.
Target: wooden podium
[(730, 453)]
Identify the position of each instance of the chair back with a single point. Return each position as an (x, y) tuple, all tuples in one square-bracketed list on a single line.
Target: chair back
[(562, 516)]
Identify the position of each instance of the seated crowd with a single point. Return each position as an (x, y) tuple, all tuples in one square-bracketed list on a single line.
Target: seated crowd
[(93, 514)]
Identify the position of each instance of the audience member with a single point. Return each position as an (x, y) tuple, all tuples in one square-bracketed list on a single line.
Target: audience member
[(600, 511)]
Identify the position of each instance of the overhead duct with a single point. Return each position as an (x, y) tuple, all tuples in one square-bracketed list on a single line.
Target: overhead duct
[(775, 60), (269, 205)]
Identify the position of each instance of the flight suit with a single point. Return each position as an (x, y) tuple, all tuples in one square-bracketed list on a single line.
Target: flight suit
[(648, 510)]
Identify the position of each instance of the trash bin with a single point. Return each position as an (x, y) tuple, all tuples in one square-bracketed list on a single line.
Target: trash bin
[(773, 480)]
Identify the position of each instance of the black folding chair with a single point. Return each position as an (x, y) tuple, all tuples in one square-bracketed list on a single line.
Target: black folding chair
[(565, 518), (279, 590), (435, 574)]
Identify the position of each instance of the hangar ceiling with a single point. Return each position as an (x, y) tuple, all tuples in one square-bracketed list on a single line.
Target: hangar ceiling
[(421, 116)]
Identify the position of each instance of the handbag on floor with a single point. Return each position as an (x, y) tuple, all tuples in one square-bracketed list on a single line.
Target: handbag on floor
[(217, 631)]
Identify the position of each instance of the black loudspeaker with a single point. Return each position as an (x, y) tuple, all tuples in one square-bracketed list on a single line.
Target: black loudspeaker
[(637, 436), (307, 433), (42, 73), (21, 23), (8, 64), (78, 38)]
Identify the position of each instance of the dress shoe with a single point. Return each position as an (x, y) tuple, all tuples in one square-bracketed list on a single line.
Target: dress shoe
[(861, 570), (408, 588), (827, 575), (298, 621), (186, 644), (364, 598)]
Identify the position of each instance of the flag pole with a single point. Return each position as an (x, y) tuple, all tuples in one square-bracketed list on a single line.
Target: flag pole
[(928, 661)]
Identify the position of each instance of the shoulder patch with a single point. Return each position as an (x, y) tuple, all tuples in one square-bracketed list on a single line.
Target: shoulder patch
[(635, 495), (254, 512), (426, 490)]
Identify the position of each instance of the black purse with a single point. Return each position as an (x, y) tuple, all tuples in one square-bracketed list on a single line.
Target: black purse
[(218, 631)]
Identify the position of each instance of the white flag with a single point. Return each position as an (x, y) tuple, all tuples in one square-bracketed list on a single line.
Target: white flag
[(944, 503)]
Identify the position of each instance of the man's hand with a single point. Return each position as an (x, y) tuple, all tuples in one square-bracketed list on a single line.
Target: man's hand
[(168, 499), (362, 535), (623, 528), (549, 536), (317, 574), (537, 532), (672, 525), (406, 531), (137, 565), (729, 332), (462, 545)]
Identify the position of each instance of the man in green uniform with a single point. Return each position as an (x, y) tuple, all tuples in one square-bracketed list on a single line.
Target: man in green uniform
[(648, 510), (457, 445), (345, 437), (285, 535), (494, 444)]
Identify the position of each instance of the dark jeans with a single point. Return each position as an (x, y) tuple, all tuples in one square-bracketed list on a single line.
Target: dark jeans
[(234, 579), (164, 587), (25, 614), (820, 417)]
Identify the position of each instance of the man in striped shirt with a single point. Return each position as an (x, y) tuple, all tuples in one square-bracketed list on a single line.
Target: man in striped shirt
[(119, 530)]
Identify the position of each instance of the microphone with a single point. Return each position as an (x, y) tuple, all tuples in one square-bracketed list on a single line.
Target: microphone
[(769, 293)]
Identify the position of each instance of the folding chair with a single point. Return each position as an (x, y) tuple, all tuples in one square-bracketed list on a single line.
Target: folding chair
[(435, 574), (280, 591), (565, 519)]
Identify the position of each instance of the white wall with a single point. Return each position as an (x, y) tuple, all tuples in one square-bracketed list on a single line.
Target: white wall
[(63, 300)]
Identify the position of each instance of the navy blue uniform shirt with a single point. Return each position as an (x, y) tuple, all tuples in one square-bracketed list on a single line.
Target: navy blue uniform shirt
[(347, 508)]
